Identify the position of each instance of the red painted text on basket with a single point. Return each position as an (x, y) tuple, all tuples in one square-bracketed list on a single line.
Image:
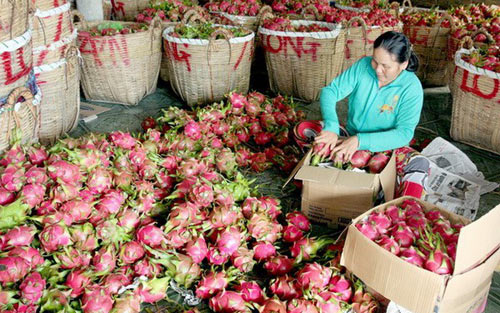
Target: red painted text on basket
[(4, 26), (6, 58), (465, 86), (242, 54), (368, 42), (179, 56), (91, 45), (118, 6), (43, 55), (297, 46), (416, 37)]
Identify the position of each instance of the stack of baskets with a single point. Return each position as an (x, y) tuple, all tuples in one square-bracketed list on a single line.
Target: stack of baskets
[(19, 94), (122, 68), (300, 64), (476, 104), (55, 59)]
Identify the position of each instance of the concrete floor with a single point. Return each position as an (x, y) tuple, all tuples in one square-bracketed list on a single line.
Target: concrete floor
[(435, 121)]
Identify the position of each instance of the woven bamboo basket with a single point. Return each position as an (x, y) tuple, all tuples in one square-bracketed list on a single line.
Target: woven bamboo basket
[(476, 109), (60, 106), (14, 18), (127, 10), (359, 40), (53, 52), (19, 116), (52, 25), (250, 22), (455, 44), (16, 62), (300, 64), (396, 9), (45, 5), (308, 13), (125, 70), (430, 45), (204, 71)]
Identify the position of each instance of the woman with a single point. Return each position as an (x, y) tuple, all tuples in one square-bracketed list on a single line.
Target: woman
[(385, 101)]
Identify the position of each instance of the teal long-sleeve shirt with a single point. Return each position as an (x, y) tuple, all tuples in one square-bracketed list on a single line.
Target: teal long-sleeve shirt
[(382, 118)]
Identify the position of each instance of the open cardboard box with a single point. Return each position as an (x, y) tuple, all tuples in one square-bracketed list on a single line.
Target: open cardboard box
[(420, 290), (334, 197)]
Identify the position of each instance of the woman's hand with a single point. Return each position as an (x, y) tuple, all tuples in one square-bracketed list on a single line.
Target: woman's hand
[(346, 149), (329, 139)]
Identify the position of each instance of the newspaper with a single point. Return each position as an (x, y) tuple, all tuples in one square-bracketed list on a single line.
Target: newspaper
[(454, 181)]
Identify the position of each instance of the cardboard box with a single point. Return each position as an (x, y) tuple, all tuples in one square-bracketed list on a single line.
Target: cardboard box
[(334, 197), (420, 290)]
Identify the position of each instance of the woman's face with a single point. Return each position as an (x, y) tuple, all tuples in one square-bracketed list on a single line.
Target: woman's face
[(386, 65)]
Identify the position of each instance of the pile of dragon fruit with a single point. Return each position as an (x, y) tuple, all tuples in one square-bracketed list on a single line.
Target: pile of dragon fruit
[(284, 24), (423, 238), (361, 159), (236, 7)]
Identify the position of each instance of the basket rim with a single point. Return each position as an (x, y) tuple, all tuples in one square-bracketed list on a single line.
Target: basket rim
[(471, 68), (204, 42), (334, 32)]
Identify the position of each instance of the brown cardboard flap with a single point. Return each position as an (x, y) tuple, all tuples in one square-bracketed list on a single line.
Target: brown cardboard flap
[(297, 168), (412, 287), (467, 292), (477, 241), (388, 178), (317, 174)]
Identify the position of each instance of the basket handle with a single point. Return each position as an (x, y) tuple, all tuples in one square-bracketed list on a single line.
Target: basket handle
[(213, 38), (363, 28), (395, 6), (192, 15), (406, 4), (12, 114), (265, 16), (265, 9), (314, 10), (81, 18), (16, 94), (483, 31), (466, 40)]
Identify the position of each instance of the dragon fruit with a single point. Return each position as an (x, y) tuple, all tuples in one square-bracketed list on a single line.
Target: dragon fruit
[(228, 302), (127, 304), (184, 271), (226, 162), (184, 215), (263, 251), (6, 197), (36, 175), (109, 232), (64, 172), (292, 233), (439, 263), (243, 260), (238, 103), (368, 229), (131, 252), (71, 258), (307, 248), (113, 282), (32, 288), (360, 158), (389, 244), (224, 216), (14, 155), (263, 138), (314, 276), (13, 269), (7, 297), (279, 265), (285, 287), (380, 221), (403, 235), (211, 284), (299, 220), (395, 214), (378, 162), (96, 300), (111, 201), (178, 238), (12, 179), (123, 140), (128, 219), (301, 306), (146, 268), (192, 130), (251, 292), (79, 210), (62, 193), (202, 195), (30, 255), (19, 236), (273, 306), (331, 305), (99, 180), (54, 236), (433, 215), (104, 260), (77, 281), (341, 287), (153, 290), (215, 257), (263, 229), (83, 237), (197, 249), (229, 240), (413, 256)]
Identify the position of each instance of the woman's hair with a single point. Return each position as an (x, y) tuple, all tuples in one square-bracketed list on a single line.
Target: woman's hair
[(398, 44)]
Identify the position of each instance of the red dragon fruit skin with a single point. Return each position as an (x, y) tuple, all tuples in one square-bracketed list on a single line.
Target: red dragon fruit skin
[(360, 158), (6, 197), (77, 280), (104, 261), (299, 220), (395, 214), (378, 162), (19, 236), (30, 255), (146, 268), (197, 249), (292, 233), (301, 306), (36, 175), (192, 130), (274, 306), (263, 251), (32, 288), (150, 235), (131, 252), (96, 300), (439, 263), (412, 256), (14, 155), (130, 303), (113, 283), (229, 240), (54, 236), (314, 276), (243, 260), (368, 229), (389, 244), (403, 235), (228, 302), (12, 178), (12, 269), (216, 257), (251, 292), (341, 287), (279, 265), (211, 284), (122, 140), (381, 221), (286, 288)]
